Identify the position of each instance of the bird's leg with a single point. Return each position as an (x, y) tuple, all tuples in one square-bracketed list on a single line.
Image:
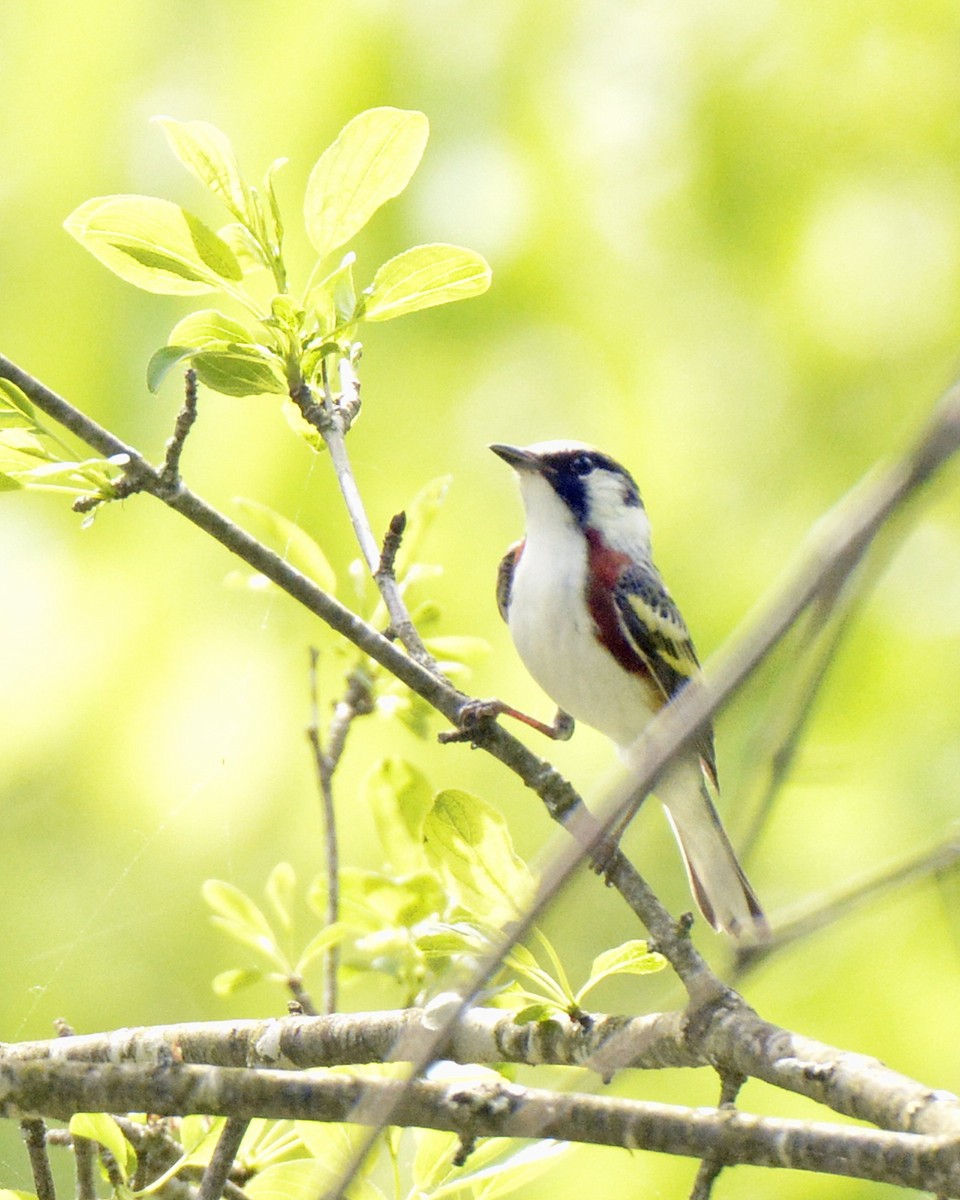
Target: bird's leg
[(476, 712), (602, 858)]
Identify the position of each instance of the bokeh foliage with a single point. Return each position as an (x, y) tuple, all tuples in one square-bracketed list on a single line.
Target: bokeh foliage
[(726, 247)]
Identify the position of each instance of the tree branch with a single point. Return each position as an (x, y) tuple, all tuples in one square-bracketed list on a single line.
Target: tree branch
[(487, 1109), (332, 418), (35, 1137), (357, 701), (735, 1037), (215, 1175), (936, 861)]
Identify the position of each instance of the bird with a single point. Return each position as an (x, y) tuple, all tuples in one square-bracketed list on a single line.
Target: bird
[(597, 629)]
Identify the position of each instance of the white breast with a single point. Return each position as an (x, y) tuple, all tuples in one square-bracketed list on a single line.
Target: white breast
[(554, 632)]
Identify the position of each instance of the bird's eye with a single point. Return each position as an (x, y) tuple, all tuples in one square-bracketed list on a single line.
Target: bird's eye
[(582, 464)]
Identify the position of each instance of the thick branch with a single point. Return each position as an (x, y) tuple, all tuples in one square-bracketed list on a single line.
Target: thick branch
[(735, 1038), (59, 1089)]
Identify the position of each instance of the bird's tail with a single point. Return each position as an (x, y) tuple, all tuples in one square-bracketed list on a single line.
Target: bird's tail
[(722, 891)]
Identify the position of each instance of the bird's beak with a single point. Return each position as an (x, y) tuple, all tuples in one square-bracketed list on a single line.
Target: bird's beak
[(517, 457)]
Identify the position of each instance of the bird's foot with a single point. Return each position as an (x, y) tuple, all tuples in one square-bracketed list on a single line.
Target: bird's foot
[(477, 713)]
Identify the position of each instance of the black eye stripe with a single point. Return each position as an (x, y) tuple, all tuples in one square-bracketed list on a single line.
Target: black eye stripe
[(568, 471)]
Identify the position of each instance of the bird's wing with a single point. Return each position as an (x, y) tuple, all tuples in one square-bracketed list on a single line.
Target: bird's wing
[(508, 565), (654, 629)]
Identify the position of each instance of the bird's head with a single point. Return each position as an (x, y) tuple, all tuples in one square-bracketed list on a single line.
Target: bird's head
[(565, 483)]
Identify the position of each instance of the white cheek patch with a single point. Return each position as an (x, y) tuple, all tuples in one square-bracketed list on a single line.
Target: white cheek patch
[(624, 527)]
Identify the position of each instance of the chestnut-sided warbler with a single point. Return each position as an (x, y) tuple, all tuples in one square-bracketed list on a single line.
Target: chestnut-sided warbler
[(598, 631)]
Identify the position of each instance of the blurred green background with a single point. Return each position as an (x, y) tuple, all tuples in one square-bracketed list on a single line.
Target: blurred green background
[(726, 247)]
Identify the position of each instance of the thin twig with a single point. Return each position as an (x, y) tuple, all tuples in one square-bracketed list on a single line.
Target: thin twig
[(936, 861), (157, 1151), (713, 1164), (170, 471), (85, 1165), (34, 1132), (829, 621), (301, 1002), (357, 701), (110, 1165), (391, 546), (332, 418), (331, 958), (215, 1176)]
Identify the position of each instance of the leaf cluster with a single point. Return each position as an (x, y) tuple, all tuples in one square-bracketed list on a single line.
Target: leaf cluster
[(300, 1160), (34, 457), (277, 341), (452, 879)]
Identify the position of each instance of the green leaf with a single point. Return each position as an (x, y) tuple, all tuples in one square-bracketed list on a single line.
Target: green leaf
[(512, 1174), (199, 1136), (371, 161), (335, 1147), (286, 318), (375, 899), (227, 983), (445, 941), (268, 186), (163, 361), (421, 512), (424, 277), (99, 1127), (294, 544), (12, 399), (22, 441), (240, 371), (399, 796), (299, 1179), (434, 1173), (156, 245), (469, 843), (93, 472), (210, 327), (332, 935), (267, 1142), (211, 330), (207, 152), (333, 302), (247, 250), (238, 916), (280, 889), (457, 648), (303, 429), (631, 958), (540, 1011)]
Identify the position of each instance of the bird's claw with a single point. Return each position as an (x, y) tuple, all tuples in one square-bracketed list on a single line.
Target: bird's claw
[(603, 857), (471, 718)]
